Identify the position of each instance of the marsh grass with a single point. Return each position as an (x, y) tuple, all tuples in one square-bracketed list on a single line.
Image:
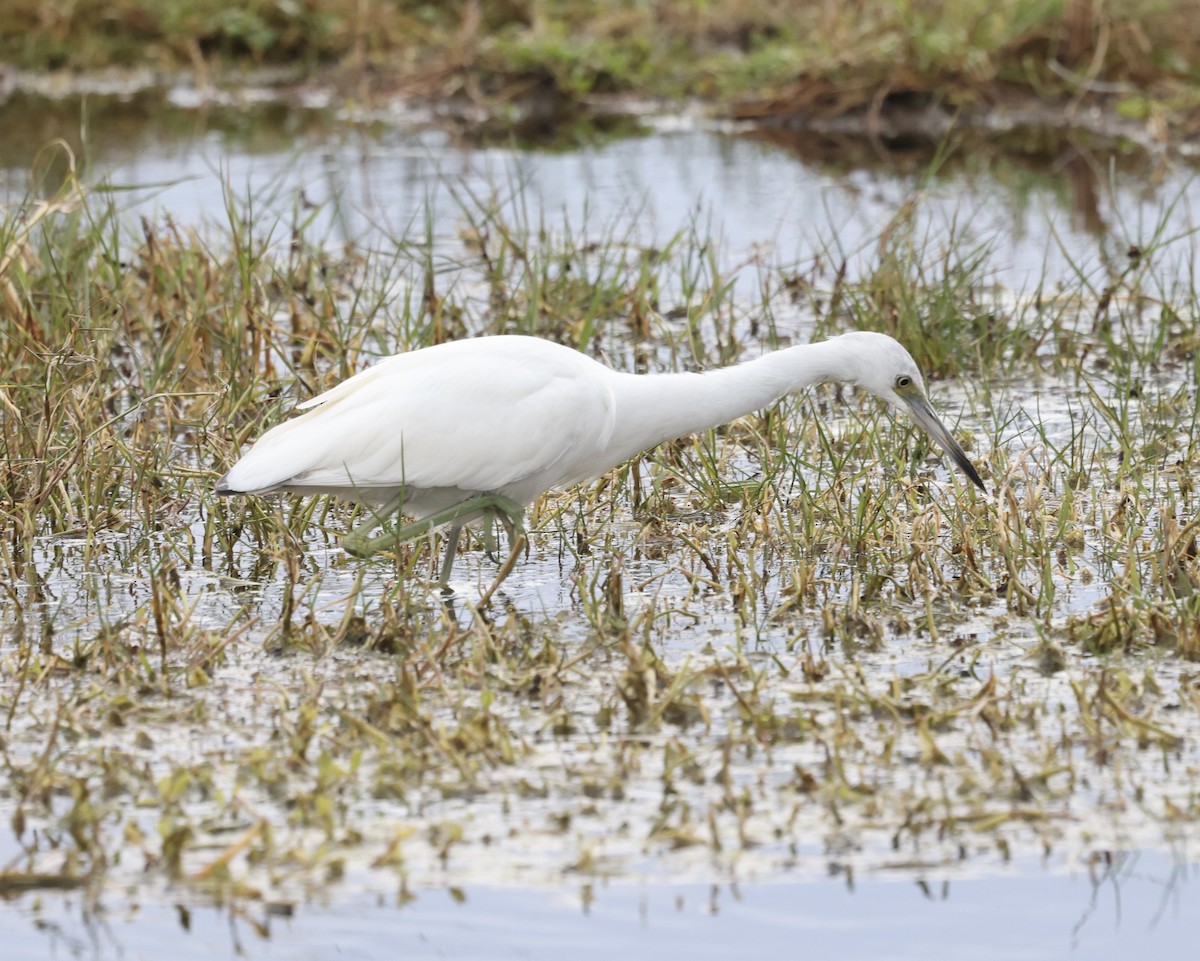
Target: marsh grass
[(797, 640)]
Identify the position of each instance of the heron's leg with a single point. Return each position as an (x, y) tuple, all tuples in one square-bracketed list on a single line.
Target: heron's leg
[(488, 535), (448, 560), (514, 526), (511, 527), (356, 542)]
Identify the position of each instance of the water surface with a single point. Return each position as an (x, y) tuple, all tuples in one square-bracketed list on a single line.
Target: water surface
[(1133, 906), (1064, 219), (1064, 214)]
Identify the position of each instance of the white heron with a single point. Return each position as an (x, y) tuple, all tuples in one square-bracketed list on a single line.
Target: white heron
[(479, 428)]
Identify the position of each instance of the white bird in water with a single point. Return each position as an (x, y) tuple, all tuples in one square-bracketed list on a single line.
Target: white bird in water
[(479, 428)]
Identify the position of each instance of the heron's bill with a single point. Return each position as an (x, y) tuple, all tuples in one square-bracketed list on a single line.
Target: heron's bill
[(923, 413)]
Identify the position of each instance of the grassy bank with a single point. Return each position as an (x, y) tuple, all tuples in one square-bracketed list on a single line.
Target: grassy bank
[(760, 58), (794, 642)]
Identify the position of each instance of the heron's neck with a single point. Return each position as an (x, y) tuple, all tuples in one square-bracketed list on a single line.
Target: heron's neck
[(652, 408)]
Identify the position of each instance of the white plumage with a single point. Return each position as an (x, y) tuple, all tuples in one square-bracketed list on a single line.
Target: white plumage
[(447, 433)]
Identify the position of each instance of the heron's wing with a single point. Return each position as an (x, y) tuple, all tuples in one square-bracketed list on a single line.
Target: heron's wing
[(479, 417)]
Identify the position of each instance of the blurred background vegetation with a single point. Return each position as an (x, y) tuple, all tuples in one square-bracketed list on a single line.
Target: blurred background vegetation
[(752, 57)]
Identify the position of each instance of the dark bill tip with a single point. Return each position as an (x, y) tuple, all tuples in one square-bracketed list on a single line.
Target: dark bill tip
[(926, 418), (965, 465)]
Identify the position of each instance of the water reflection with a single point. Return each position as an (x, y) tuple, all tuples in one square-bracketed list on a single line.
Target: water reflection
[(1038, 221), (1118, 906), (1084, 169), (1055, 212)]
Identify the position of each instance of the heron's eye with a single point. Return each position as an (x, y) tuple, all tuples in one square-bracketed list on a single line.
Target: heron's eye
[(903, 381)]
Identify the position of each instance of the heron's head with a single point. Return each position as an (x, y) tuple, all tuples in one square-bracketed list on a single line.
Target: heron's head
[(881, 366)]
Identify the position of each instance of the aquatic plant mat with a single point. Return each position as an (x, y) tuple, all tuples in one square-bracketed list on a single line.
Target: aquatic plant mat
[(797, 644)]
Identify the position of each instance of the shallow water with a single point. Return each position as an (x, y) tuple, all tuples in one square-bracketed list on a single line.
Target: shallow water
[(1133, 906), (1064, 219), (1065, 214)]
